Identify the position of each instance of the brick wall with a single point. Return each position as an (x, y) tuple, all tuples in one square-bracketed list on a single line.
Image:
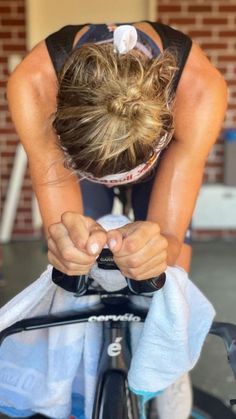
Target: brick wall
[(212, 24), (12, 42)]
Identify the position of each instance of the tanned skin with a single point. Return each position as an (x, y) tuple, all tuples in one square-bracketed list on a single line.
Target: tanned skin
[(141, 249)]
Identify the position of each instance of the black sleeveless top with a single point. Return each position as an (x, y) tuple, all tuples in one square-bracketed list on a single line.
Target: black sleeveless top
[(60, 43)]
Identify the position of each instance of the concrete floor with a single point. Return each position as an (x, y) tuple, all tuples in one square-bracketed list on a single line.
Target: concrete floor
[(214, 272)]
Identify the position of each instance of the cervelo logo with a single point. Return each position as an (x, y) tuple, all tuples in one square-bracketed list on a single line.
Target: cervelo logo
[(114, 349), (127, 317)]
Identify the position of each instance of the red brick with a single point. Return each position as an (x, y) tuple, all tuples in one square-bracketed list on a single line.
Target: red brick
[(8, 119), (12, 142), (5, 35), (5, 9), (10, 48), (227, 58), (27, 188), (214, 232), (228, 33), (13, 22), (28, 198), (28, 221), (163, 8), (21, 34), (182, 21), (197, 33), (22, 232), (215, 21), (20, 9), (211, 234), (4, 177), (214, 46), (7, 154), (227, 8), (200, 8), (6, 131), (24, 209), (213, 164)]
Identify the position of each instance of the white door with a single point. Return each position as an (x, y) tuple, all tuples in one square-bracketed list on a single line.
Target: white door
[(46, 16)]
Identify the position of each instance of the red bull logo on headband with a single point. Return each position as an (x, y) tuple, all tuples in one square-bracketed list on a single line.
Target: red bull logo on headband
[(126, 177)]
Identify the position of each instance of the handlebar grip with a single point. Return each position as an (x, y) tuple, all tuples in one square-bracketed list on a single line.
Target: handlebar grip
[(147, 286), (74, 283), (78, 284), (105, 261)]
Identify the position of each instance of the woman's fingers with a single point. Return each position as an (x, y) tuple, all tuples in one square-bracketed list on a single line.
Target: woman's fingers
[(149, 250), (114, 240), (96, 240), (68, 253), (153, 267), (85, 233), (143, 252), (68, 268), (75, 243), (77, 227), (136, 235)]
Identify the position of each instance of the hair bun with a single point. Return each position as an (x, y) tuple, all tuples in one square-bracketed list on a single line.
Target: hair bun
[(128, 105)]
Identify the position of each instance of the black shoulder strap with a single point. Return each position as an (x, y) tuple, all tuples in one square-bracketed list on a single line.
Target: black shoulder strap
[(60, 44), (178, 43)]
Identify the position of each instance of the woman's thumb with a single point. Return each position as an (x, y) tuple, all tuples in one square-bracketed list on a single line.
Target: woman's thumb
[(114, 240)]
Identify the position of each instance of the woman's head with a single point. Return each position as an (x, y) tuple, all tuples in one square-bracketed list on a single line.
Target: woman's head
[(113, 109)]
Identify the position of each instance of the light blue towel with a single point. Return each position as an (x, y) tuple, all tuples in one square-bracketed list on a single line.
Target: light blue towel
[(50, 371), (178, 321)]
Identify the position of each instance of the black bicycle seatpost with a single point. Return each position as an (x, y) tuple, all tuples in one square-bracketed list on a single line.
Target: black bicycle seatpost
[(105, 261)]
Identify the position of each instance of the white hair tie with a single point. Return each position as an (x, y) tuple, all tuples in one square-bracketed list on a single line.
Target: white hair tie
[(124, 39)]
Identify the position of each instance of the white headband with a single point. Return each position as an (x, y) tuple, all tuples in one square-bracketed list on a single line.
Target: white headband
[(125, 177), (125, 38), (131, 175)]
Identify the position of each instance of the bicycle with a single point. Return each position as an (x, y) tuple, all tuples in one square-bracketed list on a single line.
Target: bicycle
[(115, 311)]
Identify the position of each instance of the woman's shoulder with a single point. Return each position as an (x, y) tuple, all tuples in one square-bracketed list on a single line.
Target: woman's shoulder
[(35, 74), (31, 93)]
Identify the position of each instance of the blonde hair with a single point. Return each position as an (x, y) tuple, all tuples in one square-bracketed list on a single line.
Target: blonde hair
[(112, 109)]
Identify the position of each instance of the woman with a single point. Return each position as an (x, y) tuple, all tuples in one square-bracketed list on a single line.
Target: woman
[(108, 121), (144, 248)]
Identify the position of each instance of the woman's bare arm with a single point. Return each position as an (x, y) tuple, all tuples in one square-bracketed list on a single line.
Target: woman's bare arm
[(31, 91), (200, 106)]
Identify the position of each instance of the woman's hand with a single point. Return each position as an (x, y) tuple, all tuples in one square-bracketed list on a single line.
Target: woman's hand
[(139, 249), (74, 243)]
